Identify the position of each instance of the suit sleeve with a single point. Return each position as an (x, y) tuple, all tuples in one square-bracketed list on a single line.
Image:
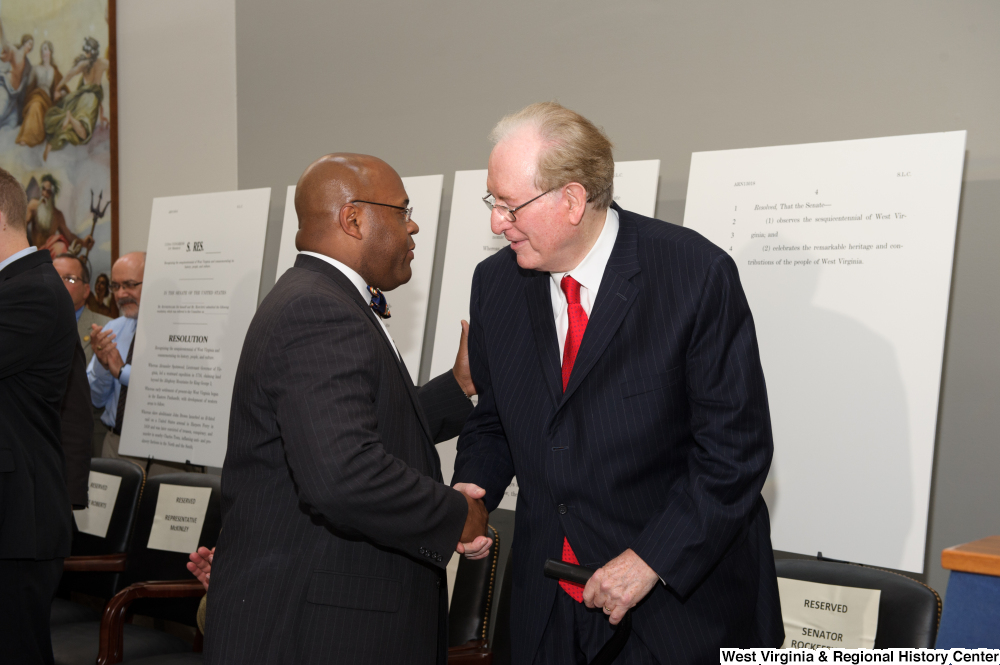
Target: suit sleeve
[(25, 326), (705, 515), (483, 454), (77, 418), (445, 406), (325, 405)]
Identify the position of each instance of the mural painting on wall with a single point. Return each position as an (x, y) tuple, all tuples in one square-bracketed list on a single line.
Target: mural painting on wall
[(58, 131)]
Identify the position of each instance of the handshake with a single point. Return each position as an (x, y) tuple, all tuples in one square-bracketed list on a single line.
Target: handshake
[(474, 544)]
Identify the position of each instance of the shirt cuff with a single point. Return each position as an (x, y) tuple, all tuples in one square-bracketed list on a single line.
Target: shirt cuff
[(124, 375)]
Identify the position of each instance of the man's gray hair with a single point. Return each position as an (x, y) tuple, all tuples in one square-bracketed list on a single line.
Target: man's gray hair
[(576, 150)]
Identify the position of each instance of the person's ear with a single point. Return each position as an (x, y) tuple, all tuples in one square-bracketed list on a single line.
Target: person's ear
[(576, 201), (86, 289), (350, 222)]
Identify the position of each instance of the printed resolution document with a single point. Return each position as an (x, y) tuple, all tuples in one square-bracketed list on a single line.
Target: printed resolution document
[(199, 294), (408, 302), (470, 241), (845, 252)]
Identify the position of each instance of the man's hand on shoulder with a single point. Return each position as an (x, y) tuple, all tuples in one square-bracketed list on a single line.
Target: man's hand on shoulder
[(619, 585), (461, 369), (474, 545)]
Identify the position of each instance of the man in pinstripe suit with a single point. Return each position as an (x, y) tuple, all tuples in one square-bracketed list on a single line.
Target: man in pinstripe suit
[(619, 380), (336, 526)]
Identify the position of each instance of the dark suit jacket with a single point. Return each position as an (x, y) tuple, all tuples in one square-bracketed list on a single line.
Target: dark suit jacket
[(661, 442), (336, 527), (37, 342), (77, 417)]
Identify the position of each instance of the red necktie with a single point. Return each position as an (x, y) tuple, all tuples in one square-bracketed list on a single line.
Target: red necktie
[(574, 335)]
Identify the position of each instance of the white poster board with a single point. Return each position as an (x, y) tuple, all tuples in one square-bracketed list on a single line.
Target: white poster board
[(179, 518), (408, 303), (845, 252), (199, 294), (101, 499), (821, 616), (470, 241)]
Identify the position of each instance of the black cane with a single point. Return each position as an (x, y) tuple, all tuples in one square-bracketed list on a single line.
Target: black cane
[(560, 570)]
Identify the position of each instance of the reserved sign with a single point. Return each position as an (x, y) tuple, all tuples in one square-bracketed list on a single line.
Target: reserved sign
[(818, 616), (95, 518), (179, 518)]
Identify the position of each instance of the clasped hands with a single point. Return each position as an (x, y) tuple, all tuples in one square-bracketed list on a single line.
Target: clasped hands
[(473, 544), (106, 350)]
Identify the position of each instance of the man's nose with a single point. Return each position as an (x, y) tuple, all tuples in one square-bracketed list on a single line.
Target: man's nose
[(498, 223), (412, 228)]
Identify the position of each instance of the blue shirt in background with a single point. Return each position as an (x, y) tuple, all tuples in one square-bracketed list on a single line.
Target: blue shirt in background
[(104, 387)]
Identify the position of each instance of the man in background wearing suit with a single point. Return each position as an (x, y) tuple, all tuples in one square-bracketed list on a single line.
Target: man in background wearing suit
[(336, 527), (37, 343), (619, 379), (76, 278), (82, 429)]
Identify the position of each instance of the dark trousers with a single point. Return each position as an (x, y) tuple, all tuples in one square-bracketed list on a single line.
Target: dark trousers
[(27, 588), (574, 635)]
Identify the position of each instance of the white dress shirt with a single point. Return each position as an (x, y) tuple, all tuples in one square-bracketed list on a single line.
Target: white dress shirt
[(589, 273), (360, 284)]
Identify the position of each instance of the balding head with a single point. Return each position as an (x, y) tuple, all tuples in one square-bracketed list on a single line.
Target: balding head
[(336, 219), (126, 282)]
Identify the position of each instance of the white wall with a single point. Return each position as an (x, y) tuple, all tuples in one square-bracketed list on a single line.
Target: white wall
[(176, 105)]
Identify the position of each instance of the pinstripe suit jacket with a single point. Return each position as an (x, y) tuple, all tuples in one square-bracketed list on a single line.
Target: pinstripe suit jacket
[(660, 443), (336, 527)]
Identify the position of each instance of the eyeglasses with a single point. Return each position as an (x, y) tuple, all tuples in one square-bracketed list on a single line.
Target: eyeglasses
[(128, 286), (408, 211), (505, 212), (72, 279)]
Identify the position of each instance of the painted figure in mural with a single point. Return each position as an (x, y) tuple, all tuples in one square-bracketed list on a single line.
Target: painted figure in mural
[(47, 228), (15, 71), (74, 117), (42, 86), (100, 299)]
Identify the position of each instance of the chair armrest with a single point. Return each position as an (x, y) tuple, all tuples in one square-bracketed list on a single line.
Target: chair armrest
[(473, 652), (96, 563), (113, 621)]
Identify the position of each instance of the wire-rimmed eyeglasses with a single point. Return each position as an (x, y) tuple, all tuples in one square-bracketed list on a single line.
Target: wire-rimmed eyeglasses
[(407, 211), (128, 285), (506, 212)]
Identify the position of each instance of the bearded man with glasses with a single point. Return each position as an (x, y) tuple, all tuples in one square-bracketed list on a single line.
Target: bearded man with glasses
[(111, 367)]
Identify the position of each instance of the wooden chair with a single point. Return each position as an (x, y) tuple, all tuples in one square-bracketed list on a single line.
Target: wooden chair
[(159, 586), (96, 564), (471, 603)]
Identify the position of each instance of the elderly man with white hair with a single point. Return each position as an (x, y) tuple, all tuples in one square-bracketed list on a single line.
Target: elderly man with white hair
[(619, 380)]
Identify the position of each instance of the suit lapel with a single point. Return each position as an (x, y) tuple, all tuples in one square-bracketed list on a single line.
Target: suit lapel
[(544, 328), (615, 299), (312, 263), (405, 374)]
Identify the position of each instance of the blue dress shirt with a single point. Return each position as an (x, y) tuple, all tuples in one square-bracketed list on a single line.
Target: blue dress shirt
[(104, 387)]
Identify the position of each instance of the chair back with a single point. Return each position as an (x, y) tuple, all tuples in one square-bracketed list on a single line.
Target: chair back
[(146, 564), (119, 534), (500, 646), (472, 598), (908, 611)]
